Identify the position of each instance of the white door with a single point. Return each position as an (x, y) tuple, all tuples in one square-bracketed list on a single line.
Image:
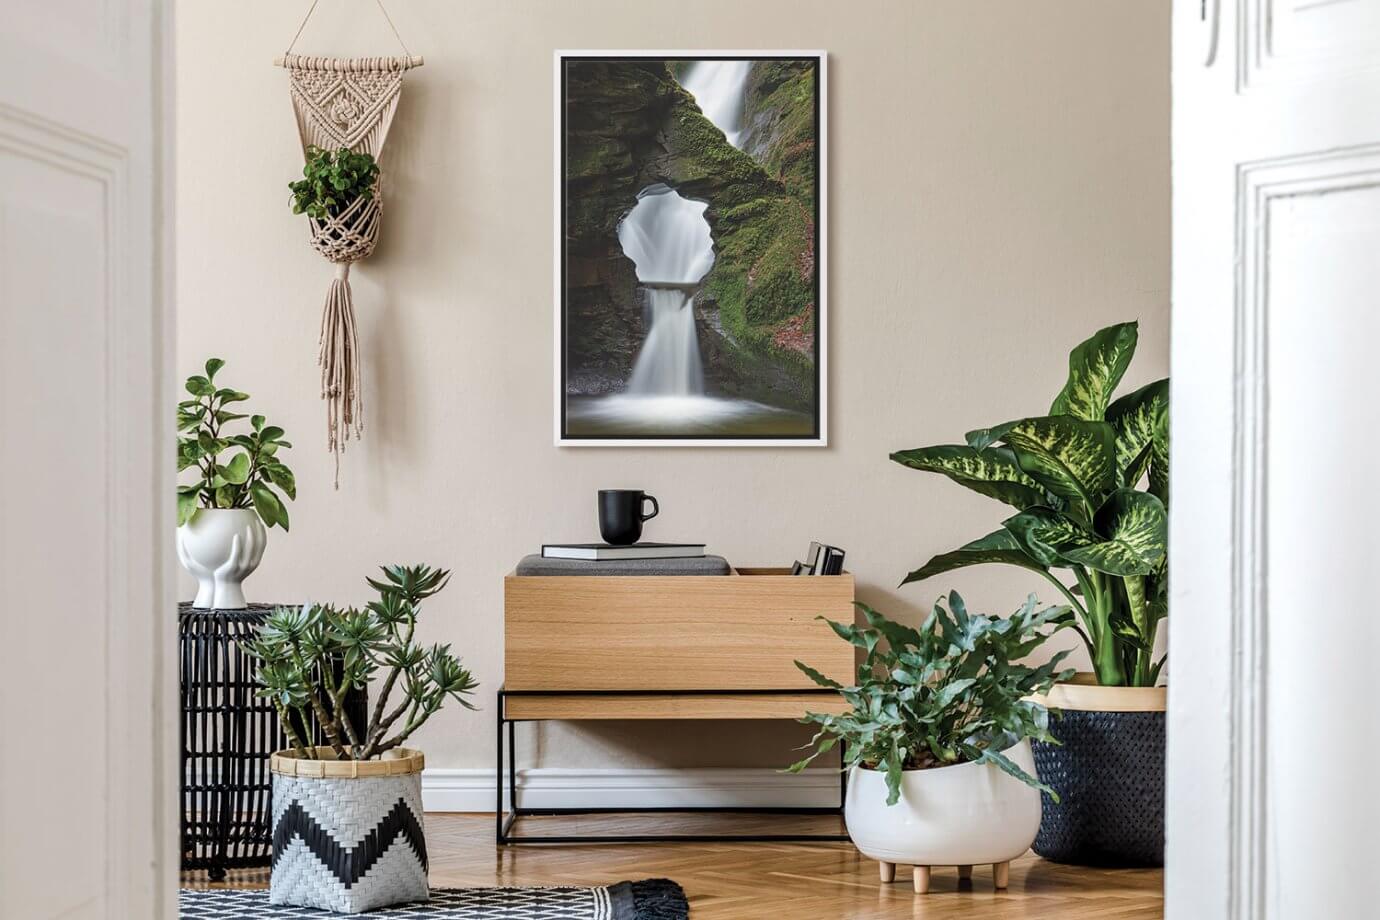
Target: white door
[(1274, 723), (87, 625)]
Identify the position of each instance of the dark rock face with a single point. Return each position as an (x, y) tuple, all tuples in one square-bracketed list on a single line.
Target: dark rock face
[(629, 124), (613, 114)]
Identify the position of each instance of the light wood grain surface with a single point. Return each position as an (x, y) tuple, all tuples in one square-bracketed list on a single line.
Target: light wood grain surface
[(782, 881), (646, 706), (739, 632)]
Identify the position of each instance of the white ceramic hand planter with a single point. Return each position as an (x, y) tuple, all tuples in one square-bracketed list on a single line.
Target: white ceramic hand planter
[(221, 547)]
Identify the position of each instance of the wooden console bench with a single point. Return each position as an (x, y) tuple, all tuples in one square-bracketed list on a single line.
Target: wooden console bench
[(666, 647)]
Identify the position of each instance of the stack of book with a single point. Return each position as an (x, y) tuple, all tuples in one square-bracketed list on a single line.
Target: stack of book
[(822, 559), (604, 552)]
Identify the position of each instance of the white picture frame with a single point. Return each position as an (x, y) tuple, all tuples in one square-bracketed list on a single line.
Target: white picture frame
[(819, 437)]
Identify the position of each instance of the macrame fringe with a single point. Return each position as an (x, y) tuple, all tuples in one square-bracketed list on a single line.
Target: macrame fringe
[(341, 387)]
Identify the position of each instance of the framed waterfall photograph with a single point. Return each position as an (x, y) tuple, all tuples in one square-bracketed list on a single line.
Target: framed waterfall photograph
[(690, 266)]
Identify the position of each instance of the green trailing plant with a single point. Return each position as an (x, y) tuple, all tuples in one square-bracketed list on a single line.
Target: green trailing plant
[(241, 470), (952, 691), (331, 181), (1090, 481), (310, 658)]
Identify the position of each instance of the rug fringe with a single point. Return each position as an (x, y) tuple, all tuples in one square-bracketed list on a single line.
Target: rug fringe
[(660, 899)]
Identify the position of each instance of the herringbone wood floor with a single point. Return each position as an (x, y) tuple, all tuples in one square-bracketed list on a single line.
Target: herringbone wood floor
[(783, 881)]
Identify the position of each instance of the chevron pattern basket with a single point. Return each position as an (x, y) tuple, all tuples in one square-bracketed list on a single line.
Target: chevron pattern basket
[(347, 835)]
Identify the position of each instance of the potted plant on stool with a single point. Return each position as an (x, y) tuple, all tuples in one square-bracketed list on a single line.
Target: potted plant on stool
[(1091, 485), (222, 517), (347, 816), (936, 743)]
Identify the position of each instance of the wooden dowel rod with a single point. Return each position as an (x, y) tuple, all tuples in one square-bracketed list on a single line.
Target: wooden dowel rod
[(413, 61)]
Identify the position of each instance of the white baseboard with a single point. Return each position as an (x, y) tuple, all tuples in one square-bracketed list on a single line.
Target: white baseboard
[(549, 787)]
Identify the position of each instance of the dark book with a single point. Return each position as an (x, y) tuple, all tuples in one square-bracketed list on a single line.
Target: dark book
[(821, 559), (833, 562), (603, 551)]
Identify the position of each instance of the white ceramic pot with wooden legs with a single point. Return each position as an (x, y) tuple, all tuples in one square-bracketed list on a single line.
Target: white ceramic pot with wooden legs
[(964, 815)]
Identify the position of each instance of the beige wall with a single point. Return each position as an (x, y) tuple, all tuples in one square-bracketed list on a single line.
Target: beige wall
[(998, 188)]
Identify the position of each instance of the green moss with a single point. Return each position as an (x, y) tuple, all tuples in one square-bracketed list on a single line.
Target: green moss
[(704, 162), (788, 90), (593, 156), (764, 270)]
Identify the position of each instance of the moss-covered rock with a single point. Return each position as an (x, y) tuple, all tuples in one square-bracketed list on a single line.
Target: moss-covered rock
[(779, 117)]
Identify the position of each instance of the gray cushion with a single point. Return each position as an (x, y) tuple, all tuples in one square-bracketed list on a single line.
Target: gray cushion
[(695, 565)]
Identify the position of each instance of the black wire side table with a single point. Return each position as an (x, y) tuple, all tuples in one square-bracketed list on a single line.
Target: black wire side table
[(227, 734)]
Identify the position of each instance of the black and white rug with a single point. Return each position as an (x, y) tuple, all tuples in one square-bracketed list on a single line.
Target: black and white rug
[(653, 899)]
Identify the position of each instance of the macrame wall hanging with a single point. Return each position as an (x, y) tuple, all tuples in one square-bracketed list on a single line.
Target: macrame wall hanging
[(350, 103)]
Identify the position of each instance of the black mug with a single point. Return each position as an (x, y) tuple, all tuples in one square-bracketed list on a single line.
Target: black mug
[(621, 517)]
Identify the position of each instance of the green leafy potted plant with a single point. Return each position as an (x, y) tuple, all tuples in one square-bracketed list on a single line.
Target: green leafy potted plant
[(336, 191), (363, 787), (1090, 485), (936, 742), (332, 180), (222, 516)]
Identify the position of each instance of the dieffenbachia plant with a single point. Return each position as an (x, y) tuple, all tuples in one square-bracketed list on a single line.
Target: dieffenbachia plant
[(952, 691), (253, 470), (1090, 481), (310, 658)]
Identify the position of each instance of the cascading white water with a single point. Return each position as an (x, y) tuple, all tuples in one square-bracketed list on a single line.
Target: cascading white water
[(668, 240), (719, 88), (669, 362)]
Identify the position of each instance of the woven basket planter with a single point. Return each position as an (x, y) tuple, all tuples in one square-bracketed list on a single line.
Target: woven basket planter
[(347, 835), (1109, 772), (352, 234)]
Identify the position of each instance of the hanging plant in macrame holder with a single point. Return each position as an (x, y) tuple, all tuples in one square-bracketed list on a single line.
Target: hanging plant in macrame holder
[(344, 103)]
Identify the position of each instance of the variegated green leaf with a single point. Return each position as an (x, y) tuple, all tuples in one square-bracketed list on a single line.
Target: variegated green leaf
[(1132, 474), (982, 438), (1046, 535), (993, 473), (1095, 369), (1139, 419), (1159, 465), (1157, 590), (1135, 527), (997, 547), (1072, 458), (1138, 604)]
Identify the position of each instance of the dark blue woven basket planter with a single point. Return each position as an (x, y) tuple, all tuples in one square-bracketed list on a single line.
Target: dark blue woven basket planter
[(1109, 773)]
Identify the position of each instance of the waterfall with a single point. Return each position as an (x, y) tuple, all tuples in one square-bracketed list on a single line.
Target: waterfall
[(669, 362), (719, 88), (668, 240)]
